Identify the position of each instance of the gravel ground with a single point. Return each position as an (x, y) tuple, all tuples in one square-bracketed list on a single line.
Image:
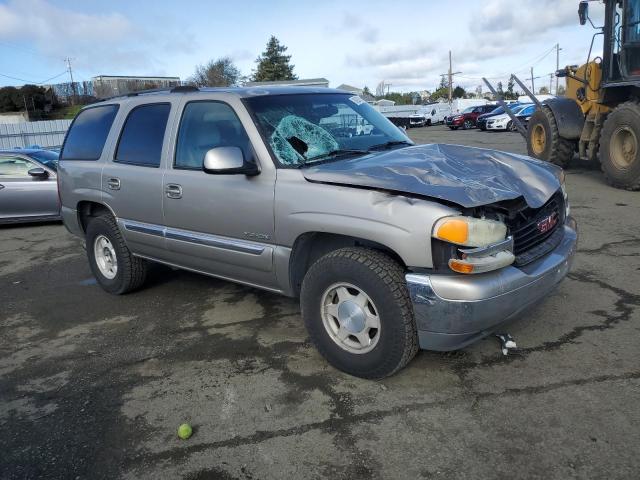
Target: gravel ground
[(95, 386)]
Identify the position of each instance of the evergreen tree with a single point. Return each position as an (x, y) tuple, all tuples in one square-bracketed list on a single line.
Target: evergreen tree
[(273, 64)]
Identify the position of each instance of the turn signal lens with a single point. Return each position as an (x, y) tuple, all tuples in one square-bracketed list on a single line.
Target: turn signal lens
[(460, 267), (454, 231), (469, 231)]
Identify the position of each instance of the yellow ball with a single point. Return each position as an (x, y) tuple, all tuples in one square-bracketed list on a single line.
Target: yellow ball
[(184, 431)]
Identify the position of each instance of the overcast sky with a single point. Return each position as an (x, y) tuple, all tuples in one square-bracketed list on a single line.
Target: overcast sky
[(357, 42)]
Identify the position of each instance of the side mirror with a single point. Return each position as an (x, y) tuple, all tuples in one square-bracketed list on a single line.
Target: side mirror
[(228, 161), (583, 12), (38, 173)]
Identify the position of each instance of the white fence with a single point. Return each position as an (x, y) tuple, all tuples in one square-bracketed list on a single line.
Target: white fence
[(46, 134)]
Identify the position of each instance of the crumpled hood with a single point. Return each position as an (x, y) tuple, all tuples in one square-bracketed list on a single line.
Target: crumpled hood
[(467, 176)]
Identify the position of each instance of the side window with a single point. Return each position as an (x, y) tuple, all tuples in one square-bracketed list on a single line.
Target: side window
[(205, 125), (142, 135), (88, 133), (15, 167)]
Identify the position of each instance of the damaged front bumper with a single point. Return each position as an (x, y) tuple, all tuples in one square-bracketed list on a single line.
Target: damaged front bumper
[(453, 311)]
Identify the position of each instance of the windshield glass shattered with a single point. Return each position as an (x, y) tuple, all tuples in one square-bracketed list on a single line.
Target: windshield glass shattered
[(303, 129)]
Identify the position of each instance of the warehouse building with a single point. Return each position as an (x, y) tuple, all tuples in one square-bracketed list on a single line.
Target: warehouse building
[(111, 85)]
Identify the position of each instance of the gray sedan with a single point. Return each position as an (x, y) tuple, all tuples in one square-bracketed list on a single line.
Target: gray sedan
[(28, 186)]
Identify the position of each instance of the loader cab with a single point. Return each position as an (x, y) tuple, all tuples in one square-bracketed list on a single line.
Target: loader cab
[(621, 49)]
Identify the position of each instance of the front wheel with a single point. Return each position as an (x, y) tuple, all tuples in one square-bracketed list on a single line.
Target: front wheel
[(453, 128), (115, 268), (357, 310), (467, 125), (544, 141)]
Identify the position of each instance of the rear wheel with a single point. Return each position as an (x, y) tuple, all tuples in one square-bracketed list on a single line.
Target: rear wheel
[(620, 147), (357, 310), (543, 140), (115, 268)]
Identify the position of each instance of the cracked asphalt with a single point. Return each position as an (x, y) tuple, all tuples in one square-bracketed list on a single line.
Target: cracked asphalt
[(95, 386)]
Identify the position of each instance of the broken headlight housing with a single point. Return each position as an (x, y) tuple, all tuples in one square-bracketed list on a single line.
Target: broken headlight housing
[(492, 249)]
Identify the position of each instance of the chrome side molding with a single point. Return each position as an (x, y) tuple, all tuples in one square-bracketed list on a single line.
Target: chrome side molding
[(198, 238)]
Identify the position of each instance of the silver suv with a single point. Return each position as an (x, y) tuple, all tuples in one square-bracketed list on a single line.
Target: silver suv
[(390, 246)]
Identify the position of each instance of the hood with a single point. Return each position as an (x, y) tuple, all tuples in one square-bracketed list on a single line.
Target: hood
[(467, 176)]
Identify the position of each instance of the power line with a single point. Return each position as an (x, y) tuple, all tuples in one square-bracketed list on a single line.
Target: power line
[(30, 82)]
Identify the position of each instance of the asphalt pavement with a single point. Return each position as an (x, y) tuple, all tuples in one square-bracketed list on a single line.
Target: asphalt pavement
[(95, 386)]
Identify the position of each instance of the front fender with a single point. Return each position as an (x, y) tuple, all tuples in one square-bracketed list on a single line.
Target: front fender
[(569, 117)]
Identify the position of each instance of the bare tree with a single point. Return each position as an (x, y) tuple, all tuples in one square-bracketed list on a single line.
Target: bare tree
[(217, 73)]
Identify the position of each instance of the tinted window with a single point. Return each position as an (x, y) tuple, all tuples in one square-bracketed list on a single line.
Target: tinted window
[(206, 125), (142, 135), (15, 167), (88, 133)]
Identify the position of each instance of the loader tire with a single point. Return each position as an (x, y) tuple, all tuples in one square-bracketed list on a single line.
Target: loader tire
[(620, 146), (543, 140)]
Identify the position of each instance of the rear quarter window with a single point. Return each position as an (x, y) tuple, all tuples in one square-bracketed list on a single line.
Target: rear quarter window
[(88, 133), (143, 134)]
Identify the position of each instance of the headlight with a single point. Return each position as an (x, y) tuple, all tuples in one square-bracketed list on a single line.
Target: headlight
[(469, 231)]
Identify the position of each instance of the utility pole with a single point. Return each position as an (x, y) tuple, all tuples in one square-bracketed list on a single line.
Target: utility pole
[(73, 85), (450, 79), (24, 99), (533, 87), (450, 75), (551, 83), (557, 65)]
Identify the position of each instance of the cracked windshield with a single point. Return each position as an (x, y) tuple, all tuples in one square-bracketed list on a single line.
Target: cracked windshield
[(304, 129)]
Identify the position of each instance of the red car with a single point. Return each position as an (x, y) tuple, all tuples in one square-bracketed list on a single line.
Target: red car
[(467, 118)]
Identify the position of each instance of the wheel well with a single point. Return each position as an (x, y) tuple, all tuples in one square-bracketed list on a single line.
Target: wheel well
[(87, 210), (310, 246)]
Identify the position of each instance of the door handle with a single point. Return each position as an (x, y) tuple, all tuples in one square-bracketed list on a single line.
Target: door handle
[(1, 186), (173, 190), (113, 183)]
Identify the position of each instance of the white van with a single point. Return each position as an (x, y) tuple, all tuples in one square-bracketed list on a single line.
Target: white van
[(431, 114)]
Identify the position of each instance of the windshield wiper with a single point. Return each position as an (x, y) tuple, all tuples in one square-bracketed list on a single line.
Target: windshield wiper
[(389, 144), (332, 154)]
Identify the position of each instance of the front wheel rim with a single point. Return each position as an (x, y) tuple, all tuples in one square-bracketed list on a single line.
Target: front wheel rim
[(624, 147), (350, 318), (538, 139), (105, 256)]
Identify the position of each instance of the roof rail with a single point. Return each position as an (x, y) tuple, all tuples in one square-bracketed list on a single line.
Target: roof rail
[(184, 88)]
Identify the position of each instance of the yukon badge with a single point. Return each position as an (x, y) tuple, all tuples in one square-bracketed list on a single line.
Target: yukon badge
[(257, 236), (548, 223)]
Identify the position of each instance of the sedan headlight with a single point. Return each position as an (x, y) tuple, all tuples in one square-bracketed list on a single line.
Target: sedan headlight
[(469, 231)]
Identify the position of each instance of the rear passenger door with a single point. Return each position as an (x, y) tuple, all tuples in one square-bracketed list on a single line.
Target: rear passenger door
[(132, 176), (219, 224)]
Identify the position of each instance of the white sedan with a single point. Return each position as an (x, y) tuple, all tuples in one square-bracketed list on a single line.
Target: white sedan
[(504, 122)]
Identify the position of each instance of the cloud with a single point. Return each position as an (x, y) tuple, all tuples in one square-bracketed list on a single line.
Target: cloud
[(355, 24), (97, 42)]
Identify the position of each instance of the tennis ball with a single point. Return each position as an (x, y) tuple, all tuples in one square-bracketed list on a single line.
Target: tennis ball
[(184, 431)]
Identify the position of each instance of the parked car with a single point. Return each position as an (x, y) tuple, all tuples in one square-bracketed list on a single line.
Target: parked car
[(28, 186), (251, 186), (503, 121), (524, 115), (481, 121), (467, 119)]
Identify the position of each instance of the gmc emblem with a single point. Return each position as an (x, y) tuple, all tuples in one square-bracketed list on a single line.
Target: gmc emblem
[(547, 223)]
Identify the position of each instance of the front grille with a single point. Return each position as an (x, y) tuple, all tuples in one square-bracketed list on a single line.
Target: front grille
[(533, 230)]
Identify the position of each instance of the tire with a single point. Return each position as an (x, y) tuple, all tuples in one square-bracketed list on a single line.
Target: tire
[(130, 272), (544, 141), (467, 125), (510, 126), (428, 123), (620, 147), (381, 279), (453, 128)]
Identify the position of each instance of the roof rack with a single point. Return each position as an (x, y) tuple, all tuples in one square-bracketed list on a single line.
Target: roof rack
[(176, 89)]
